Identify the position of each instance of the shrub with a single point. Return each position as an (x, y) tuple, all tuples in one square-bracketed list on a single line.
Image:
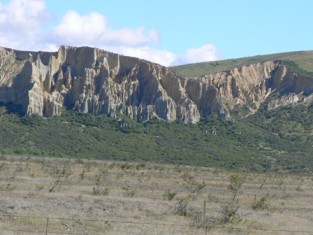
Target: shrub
[(169, 195), (260, 204), (230, 209)]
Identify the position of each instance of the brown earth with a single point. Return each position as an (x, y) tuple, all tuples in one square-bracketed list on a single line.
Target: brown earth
[(67, 196)]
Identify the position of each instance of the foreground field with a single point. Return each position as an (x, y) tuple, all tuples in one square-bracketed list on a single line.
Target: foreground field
[(67, 196)]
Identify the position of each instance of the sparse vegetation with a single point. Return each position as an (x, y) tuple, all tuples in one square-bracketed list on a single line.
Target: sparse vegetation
[(262, 203), (169, 195), (176, 200), (182, 207), (100, 191), (230, 209)]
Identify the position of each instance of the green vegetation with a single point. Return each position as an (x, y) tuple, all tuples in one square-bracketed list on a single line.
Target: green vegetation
[(261, 204), (296, 68), (230, 209), (303, 60), (279, 140)]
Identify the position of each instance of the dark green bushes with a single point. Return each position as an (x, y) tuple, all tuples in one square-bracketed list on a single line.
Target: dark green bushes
[(267, 141)]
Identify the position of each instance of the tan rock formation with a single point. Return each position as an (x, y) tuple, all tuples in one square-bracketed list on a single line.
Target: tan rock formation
[(94, 81)]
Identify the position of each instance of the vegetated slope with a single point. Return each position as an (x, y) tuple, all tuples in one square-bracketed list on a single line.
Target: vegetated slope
[(257, 117), (303, 59), (278, 140)]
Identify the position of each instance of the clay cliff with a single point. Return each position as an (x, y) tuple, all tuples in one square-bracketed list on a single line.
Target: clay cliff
[(91, 80)]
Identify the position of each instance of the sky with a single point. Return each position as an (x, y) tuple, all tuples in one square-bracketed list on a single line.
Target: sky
[(168, 32)]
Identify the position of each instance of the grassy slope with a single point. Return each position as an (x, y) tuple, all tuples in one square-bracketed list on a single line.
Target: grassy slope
[(268, 141), (304, 59)]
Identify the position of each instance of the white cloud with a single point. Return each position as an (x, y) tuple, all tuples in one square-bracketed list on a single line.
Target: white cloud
[(22, 24), (207, 52), (162, 57), (94, 29), (77, 29), (22, 14), (22, 27)]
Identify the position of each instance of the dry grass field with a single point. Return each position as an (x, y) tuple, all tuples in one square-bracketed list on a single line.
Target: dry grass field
[(70, 196)]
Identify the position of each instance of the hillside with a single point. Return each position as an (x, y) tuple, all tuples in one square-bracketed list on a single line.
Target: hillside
[(88, 103), (303, 59), (268, 141)]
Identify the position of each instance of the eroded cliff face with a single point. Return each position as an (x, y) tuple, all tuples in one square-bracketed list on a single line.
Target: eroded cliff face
[(93, 81), (90, 80)]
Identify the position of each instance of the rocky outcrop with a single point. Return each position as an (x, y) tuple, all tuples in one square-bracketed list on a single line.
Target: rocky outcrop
[(93, 81), (90, 80)]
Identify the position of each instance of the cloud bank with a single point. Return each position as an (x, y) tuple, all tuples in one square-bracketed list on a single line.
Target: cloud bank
[(21, 22), (24, 23), (95, 29)]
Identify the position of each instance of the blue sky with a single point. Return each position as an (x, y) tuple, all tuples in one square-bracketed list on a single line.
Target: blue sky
[(165, 31)]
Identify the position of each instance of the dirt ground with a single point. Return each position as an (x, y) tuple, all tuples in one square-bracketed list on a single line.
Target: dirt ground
[(70, 196)]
